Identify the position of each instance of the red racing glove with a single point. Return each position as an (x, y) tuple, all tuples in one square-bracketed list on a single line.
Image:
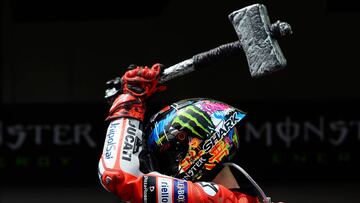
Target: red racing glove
[(142, 82), (138, 84)]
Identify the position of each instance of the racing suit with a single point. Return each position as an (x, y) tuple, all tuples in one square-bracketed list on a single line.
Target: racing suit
[(119, 165)]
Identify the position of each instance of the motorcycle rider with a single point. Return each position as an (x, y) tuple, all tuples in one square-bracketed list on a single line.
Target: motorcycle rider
[(124, 167)]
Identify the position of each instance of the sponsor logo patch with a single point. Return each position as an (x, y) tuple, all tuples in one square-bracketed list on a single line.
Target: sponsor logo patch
[(129, 141), (110, 144), (165, 190), (149, 189), (221, 132), (180, 191)]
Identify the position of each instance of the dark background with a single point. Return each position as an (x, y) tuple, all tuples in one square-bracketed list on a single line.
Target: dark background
[(302, 134)]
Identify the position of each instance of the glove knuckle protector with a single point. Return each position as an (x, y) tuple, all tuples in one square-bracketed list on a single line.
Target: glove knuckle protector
[(138, 83)]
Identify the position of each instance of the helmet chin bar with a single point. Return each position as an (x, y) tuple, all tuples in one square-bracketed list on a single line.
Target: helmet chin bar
[(261, 192)]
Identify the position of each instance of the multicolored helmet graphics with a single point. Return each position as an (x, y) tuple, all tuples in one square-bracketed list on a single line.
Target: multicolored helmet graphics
[(191, 139)]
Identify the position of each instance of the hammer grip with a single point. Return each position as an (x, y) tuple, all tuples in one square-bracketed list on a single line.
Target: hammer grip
[(216, 54), (200, 60)]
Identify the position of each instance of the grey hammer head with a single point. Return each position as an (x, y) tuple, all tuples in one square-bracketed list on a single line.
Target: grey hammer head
[(258, 39)]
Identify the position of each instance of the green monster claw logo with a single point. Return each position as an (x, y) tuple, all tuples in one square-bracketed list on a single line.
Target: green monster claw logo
[(192, 115)]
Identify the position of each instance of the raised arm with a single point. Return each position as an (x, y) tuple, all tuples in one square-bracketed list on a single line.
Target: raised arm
[(119, 166)]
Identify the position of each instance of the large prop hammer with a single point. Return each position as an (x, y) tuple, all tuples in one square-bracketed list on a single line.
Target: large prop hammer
[(257, 38)]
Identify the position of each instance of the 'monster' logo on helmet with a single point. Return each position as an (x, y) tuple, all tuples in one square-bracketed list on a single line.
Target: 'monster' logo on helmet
[(192, 137)]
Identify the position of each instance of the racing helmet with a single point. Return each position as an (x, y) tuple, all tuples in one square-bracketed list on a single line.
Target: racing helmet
[(190, 139)]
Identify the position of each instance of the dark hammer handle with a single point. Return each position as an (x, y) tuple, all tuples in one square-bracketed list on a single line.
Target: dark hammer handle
[(216, 54), (200, 60)]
